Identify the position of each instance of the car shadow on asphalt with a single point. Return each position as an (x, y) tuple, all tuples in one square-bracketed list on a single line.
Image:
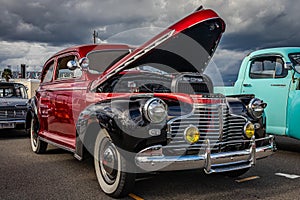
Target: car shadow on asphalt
[(55, 150), (287, 144), (8, 134)]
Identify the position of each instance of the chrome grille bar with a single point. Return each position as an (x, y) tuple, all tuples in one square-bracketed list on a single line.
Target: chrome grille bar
[(214, 123), (16, 113)]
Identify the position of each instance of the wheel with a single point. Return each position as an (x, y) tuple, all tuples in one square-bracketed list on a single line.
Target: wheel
[(112, 169), (236, 173), (37, 145)]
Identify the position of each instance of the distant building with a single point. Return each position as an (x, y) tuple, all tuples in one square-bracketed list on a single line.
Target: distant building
[(29, 75)]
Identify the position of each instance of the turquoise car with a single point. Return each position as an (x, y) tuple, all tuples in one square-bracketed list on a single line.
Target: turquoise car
[(273, 75)]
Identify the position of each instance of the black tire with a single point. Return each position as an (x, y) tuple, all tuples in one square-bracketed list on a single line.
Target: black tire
[(37, 145), (236, 173), (112, 169)]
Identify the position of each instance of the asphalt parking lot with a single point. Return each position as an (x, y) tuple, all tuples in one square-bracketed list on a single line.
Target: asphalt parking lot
[(57, 175)]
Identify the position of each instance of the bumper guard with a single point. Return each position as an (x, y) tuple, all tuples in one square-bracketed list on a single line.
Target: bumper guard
[(153, 159)]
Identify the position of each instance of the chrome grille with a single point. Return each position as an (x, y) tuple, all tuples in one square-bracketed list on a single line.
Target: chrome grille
[(214, 123), (233, 131), (12, 113)]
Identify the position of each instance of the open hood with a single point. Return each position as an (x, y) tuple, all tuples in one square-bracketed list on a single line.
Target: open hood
[(186, 46)]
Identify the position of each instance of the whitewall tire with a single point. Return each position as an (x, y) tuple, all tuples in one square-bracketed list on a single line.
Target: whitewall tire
[(37, 145), (111, 168)]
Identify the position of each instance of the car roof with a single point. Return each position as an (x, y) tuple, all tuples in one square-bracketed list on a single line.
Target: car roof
[(278, 50), (84, 49)]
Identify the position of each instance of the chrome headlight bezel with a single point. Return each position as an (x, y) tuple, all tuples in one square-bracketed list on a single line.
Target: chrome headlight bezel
[(155, 110), (256, 108)]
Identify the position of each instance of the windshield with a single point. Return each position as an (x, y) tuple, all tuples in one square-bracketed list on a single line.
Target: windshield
[(13, 91), (99, 61), (295, 58)]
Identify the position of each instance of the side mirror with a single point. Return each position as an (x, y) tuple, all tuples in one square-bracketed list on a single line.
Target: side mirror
[(72, 65), (288, 65), (84, 63)]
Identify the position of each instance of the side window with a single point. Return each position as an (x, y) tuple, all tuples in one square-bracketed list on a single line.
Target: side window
[(48, 73), (267, 67), (63, 71)]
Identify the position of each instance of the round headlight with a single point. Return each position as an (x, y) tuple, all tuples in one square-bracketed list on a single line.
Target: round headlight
[(155, 110), (249, 130), (256, 108)]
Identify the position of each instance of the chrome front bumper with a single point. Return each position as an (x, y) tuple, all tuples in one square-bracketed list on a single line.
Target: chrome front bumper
[(152, 159), (10, 123)]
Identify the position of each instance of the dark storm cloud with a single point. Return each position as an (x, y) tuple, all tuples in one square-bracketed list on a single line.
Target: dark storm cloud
[(254, 24), (39, 27), (72, 21), (250, 24), (33, 30)]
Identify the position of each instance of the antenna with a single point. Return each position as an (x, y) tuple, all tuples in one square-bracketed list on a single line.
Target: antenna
[(198, 9), (95, 36)]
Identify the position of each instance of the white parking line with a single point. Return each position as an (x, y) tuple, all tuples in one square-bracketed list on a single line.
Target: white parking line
[(290, 176)]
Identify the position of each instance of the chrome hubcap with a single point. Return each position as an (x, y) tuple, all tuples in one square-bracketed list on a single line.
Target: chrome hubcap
[(108, 163)]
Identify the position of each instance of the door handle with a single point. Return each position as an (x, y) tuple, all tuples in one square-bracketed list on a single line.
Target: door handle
[(247, 85), (278, 85)]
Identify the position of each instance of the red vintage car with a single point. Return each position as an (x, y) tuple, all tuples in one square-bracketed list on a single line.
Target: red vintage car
[(147, 109)]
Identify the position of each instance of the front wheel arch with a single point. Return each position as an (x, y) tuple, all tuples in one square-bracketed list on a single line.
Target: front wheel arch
[(38, 146), (28, 122)]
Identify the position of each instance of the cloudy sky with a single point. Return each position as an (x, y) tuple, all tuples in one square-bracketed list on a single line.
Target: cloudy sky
[(32, 30)]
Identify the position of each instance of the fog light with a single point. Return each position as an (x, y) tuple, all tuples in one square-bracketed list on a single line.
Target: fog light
[(191, 134), (249, 130)]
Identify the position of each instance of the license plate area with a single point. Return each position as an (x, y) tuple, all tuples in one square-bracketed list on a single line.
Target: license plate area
[(7, 125)]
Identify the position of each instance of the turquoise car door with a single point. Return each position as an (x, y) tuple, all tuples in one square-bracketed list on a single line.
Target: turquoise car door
[(267, 79)]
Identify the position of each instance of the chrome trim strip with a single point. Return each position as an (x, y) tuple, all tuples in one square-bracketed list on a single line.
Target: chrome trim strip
[(253, 151), (78, 157), (221, 122), (207, 156), (70, 88), (57, 145), (12, 121)]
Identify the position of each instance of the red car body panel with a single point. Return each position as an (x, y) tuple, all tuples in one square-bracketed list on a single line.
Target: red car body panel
[(60, 102), (147, 109)]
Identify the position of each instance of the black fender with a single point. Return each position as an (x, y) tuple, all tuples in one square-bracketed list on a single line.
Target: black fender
[(124, 122), (32, 111), (238, 106)]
